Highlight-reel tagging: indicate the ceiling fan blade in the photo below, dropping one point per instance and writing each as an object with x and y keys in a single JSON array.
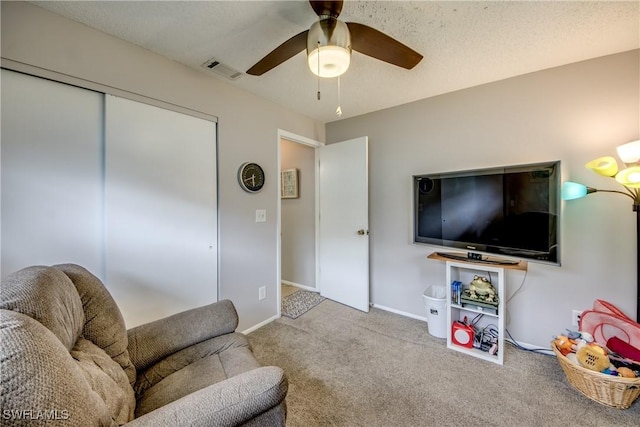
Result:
[
  {"x": 327, "y": 8},
  {"x": 378, "y": 45},
  {"x": 286, "y": 50}
]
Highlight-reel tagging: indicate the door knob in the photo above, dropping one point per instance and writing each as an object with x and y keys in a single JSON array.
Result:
[{"x": 362, "y": 232}]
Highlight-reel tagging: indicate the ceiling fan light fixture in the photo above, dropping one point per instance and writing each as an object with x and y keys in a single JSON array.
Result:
[
  {"x": 328, "y": 47},
  {"x": 329, "y": 61}
]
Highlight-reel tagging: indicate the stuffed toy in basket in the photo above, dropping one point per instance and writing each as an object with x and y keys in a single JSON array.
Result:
[{"x": 588, "y": 369}]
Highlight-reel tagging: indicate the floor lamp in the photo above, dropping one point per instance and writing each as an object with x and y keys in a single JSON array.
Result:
[{"x": 629, "y": 177}]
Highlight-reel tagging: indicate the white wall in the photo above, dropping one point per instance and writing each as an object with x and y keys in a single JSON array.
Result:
[
  {"x": 298, "y": 216},
  {"x": 573, "y": 113},
  {"x": 50, "y": 43}
]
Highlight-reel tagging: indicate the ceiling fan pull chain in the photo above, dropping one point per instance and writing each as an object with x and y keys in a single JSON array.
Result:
[
  {"x": 339, "y": 109},
  {"x": 318, "y": 70}
]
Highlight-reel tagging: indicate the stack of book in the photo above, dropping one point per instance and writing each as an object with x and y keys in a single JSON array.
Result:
[{"x": 456, "y": 291}]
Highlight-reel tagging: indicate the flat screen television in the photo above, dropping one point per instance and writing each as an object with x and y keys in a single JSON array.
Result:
[{"x": 511, "y": 211}]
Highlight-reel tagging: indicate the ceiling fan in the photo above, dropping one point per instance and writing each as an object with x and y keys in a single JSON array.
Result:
[{"x": 329, "y": 42}]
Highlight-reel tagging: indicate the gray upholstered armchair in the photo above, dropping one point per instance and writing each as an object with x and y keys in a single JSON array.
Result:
[{"x": 65, "y": 355}]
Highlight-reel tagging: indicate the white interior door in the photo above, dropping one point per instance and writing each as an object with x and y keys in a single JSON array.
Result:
[{"x": 343, "y": 247}]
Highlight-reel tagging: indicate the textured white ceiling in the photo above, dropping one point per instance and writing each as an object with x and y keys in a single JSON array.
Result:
[{"x": 464, "y": 43}]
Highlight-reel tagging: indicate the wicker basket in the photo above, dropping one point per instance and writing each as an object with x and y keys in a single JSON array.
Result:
[{"x": 617, "y": 392}]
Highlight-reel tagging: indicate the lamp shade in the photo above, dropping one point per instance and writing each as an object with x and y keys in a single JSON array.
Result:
[
  {"x": 329, "y": 47},
  {"x": 629, "y": 152},
  {"x": 606, "y": 166},
  {"x": 573, "y": 190},
  {"x": 629, "y": 177}
]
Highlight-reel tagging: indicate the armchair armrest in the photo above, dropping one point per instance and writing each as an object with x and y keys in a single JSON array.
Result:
[
  {"x": 155, "y": 340},
  {"x": 228, "y": 403}
]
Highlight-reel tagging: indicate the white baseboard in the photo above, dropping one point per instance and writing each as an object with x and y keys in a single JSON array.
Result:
[
  {"x": 401, "y": 313},
  {"x": 298, "y": 285},
  {"x": 260, "y": 325},
  {"x": 527, "y": 345}
]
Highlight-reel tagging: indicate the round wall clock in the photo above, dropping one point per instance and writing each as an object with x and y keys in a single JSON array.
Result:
[{"x": 251, "y": 177}]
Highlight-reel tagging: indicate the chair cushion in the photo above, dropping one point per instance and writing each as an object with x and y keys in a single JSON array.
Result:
[
  {"x": 104, "y": 325},
  {"x": 106, "y": 378},
  {"x": 153, "y": 341},
  {"x": 38, "y": 375},
  {"x": 47, "y": 295},
  {"x": 50, "y": 297},
  {"x": 192, "y": 369}
]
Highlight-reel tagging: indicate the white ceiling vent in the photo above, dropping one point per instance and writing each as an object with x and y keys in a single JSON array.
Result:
[{"x": 220, "y": 69}]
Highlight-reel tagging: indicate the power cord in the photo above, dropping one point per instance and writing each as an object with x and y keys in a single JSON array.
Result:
[
  {"x": 543, "y": 351},
  {"x": 489, "y": 334},
  {"x": 486, "y": 338},
  {"x": 506, "y": 311},
  {"x": 519, "y": 287}
]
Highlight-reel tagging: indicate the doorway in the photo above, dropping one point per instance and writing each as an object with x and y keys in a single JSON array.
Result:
[
  {"x": 340, "y": 242},
  {"x": 298, "y": 214}
]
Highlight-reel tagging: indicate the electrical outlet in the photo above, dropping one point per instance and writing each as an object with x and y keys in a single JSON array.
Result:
[
  {"x": 575, "y": 317},
  {"x": 262, "y": 293}
]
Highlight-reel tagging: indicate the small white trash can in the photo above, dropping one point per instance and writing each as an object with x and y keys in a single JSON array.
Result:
[{"x": 435, "y": 303}]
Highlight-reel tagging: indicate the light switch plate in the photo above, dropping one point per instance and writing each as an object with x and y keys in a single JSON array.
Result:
[{"x": 261, "y": 215}]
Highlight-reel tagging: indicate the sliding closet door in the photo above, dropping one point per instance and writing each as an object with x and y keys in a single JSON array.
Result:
[
  {"x": 51, "y": 174},
  {"x": 161, "y": 210}
]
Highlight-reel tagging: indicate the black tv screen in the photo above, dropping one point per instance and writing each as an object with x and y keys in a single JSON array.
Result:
[{"x": 511, "y": 211}]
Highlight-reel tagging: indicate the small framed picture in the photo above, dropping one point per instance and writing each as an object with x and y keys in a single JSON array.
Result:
[{"x": 289, "y": 184}]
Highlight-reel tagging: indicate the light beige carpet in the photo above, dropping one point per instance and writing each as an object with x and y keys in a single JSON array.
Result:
[{"x": 349, "y": 368}]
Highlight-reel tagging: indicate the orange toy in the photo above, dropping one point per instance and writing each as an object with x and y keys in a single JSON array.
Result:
[
  {"x": 626, "y": 372},
  {"x": 563, "y": 343}
]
